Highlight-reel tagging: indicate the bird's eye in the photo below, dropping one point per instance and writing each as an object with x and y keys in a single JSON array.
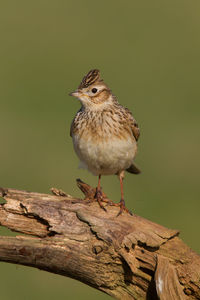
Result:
[{"x": 94, "y": 90}]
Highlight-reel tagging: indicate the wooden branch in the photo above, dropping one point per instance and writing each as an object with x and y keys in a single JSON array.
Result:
[{"x": 126, "y": 257}]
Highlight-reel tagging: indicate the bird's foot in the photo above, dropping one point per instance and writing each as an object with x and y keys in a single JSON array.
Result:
[
  {"x": 99, "y": 197},
  {"x": 122, "y": 207}
]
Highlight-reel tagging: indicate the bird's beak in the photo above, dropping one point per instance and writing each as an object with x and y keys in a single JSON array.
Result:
[{"x": 75, "y": 94}]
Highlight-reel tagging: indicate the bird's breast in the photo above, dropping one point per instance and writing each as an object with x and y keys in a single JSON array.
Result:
[{"x": 103, "y": 148}]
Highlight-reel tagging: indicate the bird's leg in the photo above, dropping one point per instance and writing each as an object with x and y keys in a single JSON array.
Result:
[
  {"x": 99, "y": 195},
  {"x": 122, "y": 202}
]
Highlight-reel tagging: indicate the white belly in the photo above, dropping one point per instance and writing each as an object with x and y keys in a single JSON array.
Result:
[{"x": 106, "y": 157}]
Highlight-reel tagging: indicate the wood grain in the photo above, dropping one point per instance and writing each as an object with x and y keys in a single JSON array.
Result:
[{"x": 127, "y": 257}]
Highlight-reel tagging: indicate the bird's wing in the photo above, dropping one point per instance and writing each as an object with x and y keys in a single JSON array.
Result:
[
  {"x": 71, "y": 128},
  {"x": 133, "y": 124},
  {"x": 74, "y": 123}
]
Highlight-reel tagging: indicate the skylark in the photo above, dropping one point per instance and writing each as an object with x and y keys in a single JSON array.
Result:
[{"x": 104, "y": 133}]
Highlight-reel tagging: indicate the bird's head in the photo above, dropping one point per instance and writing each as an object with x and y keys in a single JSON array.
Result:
[{"x": 93, "y": 92}]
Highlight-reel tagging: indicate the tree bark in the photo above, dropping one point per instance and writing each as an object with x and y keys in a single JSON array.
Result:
[{"x": 127, "y": 257}]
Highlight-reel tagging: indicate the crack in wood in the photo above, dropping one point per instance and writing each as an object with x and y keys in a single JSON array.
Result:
[{"x": 127, "y": 257}]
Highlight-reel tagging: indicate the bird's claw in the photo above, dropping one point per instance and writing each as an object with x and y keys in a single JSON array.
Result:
[
  {"x": 99, "y": 198},
  {"x": 123, "y": 208}
]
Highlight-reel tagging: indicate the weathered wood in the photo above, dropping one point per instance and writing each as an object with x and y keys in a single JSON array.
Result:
[{"x": 127, "y": 257}]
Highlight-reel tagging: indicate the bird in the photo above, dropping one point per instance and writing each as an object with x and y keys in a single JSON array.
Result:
[{"x": 104, "y": 133}]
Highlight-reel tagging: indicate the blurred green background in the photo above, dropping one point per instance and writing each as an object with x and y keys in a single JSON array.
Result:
[{"x": 149, "y": 55}]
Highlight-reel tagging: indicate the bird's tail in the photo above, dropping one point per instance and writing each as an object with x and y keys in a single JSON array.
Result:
[{"x": 133, "y": 169}]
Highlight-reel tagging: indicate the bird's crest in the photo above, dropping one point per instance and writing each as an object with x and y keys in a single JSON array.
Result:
[{"x": 90, "y": 78}]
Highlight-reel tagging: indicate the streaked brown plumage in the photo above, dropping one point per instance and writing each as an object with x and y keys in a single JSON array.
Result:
[{"x": 104, "y": 133}]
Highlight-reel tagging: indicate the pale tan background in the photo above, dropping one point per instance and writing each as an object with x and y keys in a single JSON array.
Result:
[{"x": 149, "y": 54}]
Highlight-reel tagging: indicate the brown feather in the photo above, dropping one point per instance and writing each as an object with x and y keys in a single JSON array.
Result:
[
  {"x": 133, "y": 124},
  {"x": 90, "y": 78},
  {"x": 133, "y": 169}
]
